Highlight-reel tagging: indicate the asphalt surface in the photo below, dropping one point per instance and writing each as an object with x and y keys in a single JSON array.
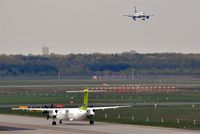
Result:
[{"x": 30, "y": 125}]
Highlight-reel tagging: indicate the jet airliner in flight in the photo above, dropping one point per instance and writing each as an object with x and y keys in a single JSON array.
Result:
[{"x": 138, "y": 15}]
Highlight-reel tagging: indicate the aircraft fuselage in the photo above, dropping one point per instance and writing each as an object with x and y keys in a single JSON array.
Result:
[{"x": 75, "y": 114}]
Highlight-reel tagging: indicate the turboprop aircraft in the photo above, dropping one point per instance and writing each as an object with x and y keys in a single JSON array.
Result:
[
  {"x": 137, "y": 15},
  {"x": 71, "y": 114}
]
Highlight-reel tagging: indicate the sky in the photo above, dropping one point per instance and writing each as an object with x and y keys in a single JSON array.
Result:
[{"x": 88, "y": 26}]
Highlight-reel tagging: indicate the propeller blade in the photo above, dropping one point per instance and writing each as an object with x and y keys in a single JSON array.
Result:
[
  {"x": 48, "y": 117},
  {"x": 51, "y": 105}
]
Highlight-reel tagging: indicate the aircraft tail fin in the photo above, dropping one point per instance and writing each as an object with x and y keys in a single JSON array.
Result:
[
  {"x": 85, "y": 100},
  {"x": 135, "y": 9}
]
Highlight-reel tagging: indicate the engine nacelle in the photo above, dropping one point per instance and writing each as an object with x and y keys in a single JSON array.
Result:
[
  {"x": 53, "y": 114},
  {"x": 91, "y": 112}
]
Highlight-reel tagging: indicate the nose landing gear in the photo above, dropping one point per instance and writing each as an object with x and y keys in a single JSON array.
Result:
[
  {"x": 54, "y": 122},
  {"x": 91, "y": 120},
  {"x": 60, "y": 122}
]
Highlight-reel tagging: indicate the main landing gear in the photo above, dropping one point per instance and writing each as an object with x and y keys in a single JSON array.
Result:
[
  {"x": 54, "y": 122},
  {"x": 91, "y": 120}
]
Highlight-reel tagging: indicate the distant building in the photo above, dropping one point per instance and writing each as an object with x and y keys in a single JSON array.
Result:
[{"x": 45, "y": 50}]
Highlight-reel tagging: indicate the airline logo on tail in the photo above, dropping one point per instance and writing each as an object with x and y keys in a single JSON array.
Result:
[{"x": 85, "y": 100}]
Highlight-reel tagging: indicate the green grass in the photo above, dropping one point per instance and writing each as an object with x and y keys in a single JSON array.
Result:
[
  {"x": 30, "y": 99},
  {"x": 185, "y": 82},
  {"x": 139, "y": 114},
  {"x": 132, "y": 98}
]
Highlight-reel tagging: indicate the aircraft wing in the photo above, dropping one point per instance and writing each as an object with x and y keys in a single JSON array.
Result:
[
  {"x": 149, "y": 15},
  {"x": 129, "y": 15},
  {"x": 109, "y": 107},
  {"x": 53, "y": 109},
  {"x": 39, "y": 109}
]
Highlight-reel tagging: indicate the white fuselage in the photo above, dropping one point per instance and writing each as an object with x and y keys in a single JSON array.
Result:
[
  {"x": 72, "y": 114},
  {"x": 139, "y": 14}
]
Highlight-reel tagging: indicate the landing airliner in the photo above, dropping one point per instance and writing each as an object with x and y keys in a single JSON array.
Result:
[
  {"x": 71, "y": 114},
  {"x": 137, "y": 14}
]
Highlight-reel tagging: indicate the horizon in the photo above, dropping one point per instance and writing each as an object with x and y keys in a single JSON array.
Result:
[{"x": 99, "y": 53}]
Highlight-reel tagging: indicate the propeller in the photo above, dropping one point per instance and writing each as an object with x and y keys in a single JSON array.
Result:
[
  {"x": 47, "y": 112},
  {"x": 48, "y": 117},
  {"x": 52, "y": 106}
]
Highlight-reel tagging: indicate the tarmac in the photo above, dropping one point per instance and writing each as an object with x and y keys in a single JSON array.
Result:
[{"x": 14, "y": 124}]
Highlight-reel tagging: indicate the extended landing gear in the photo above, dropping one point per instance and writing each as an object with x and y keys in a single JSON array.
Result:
[
  {"x": 48, "y": 117},
  {"x": 54, "y": 122},
  {"x": 91, "y": 122},
  {"x": 60, "y": 122}
]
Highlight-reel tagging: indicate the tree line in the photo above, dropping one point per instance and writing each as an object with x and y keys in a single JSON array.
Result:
[{"x": 100, "y": 64}]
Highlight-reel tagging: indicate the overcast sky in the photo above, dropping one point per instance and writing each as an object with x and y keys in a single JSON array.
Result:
[{"x": 87, "y": 26}]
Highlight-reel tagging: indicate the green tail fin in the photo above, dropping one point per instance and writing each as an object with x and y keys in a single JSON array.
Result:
[{"x": 85, "y": 101}]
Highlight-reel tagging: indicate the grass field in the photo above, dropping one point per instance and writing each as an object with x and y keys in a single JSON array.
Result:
[
  {"x": 175, "y": 109},
  {"x": 42, "y": 98},
  {"x": 165, "y": 116},
  {"x": 188, "y": 82}
]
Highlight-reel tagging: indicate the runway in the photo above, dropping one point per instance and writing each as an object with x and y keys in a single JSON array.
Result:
[{"x": 31, "y": 125}]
